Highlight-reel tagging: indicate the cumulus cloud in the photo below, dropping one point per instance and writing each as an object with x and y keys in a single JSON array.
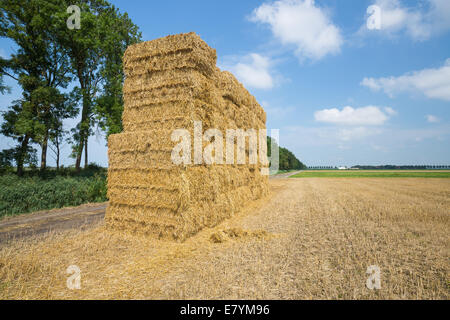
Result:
[
  {"x": 418, "y": 23},
  {"x": 433, "y": 83},
  {"x": 432, "y": 119},
  {"x": 370, "y": 115},
  {"x": 303, "y": 24},
  {"x": 253, "y": 71}
]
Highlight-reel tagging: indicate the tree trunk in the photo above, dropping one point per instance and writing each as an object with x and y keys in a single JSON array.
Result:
[
  {"x": 79, "y": 153},
  {"x": 84, "y": 130},
  {"x": 20, "y": 160},
  {"x": 44, "y": 146},
  {"x": 57, "y": 154},
  {"x": 86, "y": 153}
]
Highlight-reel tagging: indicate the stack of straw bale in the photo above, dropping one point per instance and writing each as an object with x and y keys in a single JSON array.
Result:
[{"x": 170, "y": 83}]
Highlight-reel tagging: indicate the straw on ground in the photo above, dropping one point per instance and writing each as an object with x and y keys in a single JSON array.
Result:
[{"x": 311, "y": 238}]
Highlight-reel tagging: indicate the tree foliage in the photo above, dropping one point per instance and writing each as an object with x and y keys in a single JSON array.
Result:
[
  {"x": 49, "y": 58},
  {"x": 40, "y": 66},
  {"x": 287, "y": 160},
  {"x": 95, "y": 52}
]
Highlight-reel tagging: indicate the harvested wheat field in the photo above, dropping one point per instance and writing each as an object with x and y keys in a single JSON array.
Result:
[{"x": 310, "y": 238}]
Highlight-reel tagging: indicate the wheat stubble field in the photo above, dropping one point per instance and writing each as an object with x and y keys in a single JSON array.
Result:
[{"x": 311, "y": 238}]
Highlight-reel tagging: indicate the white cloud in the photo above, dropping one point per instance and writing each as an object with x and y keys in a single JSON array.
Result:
[
  {"x": 418, "y": 23},
  {"x": 303, "y": 24},
  {"x": 395, "y": 18},
  {"x": 433, "y": 83},
  {"x": 254, "y": 71},
  {"x": 432, "y": 119},
  {"x": 390, "y": 111},
  {"x": 370, "y": 115}
]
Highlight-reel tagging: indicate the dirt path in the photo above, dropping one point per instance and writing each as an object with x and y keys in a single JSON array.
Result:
[
  {"x": 283, "y": 175},
  {"x": 25, "y": 225}
]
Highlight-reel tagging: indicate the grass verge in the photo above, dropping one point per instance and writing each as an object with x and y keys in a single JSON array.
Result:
[{"x": 35, "y": 192}]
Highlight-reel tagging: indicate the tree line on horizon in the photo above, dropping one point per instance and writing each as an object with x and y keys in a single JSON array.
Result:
[
  {"x": 62, "y": 73},
  {"x": 287, "y": 160},
  {"x": 400, "y": 167}
]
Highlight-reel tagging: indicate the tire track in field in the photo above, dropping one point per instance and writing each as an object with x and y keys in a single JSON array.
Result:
[{"x": 42, "y": 222}]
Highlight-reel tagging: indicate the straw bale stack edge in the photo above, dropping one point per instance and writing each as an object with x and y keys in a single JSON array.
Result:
[{"x": 171, "y": 83}]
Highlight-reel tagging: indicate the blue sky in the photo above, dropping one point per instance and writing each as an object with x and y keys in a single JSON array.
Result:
[{"x": 340, "y": 93}]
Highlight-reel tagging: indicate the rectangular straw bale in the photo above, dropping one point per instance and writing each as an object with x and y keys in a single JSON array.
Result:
[
  {"x": 178, "y": 113},
  {"x": 182, "y": 51},
  {"x": 171, "y": 83}
]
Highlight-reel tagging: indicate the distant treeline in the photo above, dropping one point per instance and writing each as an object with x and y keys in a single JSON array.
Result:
[
  {"x": 405, "y": 167},
  {"x": 288, "y": 161}
]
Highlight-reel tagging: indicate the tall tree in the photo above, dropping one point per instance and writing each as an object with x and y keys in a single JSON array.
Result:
[
  {"x": 48, "y": 50},
  {"x": 18, "y": 125},
  {"x": 40, "y": 66},
  {"x": 109, "y": 106},
  {"x": 17, "y": 23},
  {"x": 56, "y": 136},
  {"x": 3, "y": 88},
  {"x": 53, "y": 107},
  {"x": 96, "y": 51}
]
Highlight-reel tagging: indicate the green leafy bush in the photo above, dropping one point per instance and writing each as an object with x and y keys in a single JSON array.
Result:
[{"x": 34, "y": 192}]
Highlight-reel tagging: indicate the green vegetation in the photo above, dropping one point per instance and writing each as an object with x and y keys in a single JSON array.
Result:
[
  {"x": 288, "y": 161},
  {"x": 62, "y": 72},
  {"x": 372, "y": 174},
  {"x": 35, "y": 191}
]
